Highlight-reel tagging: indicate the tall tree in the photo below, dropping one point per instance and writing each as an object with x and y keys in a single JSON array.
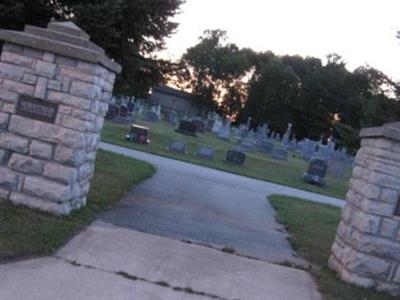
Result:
[
  {"x": 214, "y": 69},
  {"x": 129, "y": 30}
]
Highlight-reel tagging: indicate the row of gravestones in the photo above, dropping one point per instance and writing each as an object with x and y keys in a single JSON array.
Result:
[{"x": 207, "y": 152}]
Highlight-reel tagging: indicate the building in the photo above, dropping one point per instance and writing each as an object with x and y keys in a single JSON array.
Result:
[{"x": 172, "y": 99}]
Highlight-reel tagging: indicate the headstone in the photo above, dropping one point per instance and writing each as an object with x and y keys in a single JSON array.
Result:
[
  {"x": 173, "y": 118},
  {"x": 178, "y": 146},
  {"x": 279, "y": 153},
  {"x": 225, "y": 131},
  {"x": 138, "y": 134},
  {"x": 247, "y": 144},
  {"x": 266, "y": 147},
  {"x": 55, "y": 91},
  {"x": 205, "y": 152},
  {"x": 316, "y": 172},
  {"x": 235, "y": 157},
  {"x": 151, "y": 117},
  {"x": 217, "y": 126},
  {"x": 324, "y": 152},
  {"x": 288, "y": 133},
  {"x": 200, "y": 126},
  {"x": 112, "y": 112},
  {"x": 187, "y": 128}
]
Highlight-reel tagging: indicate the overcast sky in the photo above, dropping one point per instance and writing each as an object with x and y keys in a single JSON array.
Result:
[{"x": 361, "y": 31}]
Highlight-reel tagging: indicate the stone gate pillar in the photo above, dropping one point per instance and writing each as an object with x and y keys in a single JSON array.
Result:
[
  {"x": 366, "y": 250},
  {"x": 54, "y": 91}
]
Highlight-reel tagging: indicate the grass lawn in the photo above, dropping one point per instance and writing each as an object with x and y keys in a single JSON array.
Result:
[
  {"x": 27, "y": 232},
  {"x": 257, "y": 165},
  {"x": 312, "y": 228}
]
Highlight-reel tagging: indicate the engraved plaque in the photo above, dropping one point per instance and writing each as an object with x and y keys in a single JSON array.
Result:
[{"x": 37, "y": 109}]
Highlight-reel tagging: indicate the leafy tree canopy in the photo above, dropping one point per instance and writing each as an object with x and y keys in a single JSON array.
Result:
[{"x": 129, "y": 30}]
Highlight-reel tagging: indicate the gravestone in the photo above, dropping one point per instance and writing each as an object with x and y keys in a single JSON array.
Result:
[
  {"x": 55, "y": 86},
  {"x": 366, "y": 250},
  {"x": 187, "y": 128},
  {"x": 151, "y": 117},
  {"x": 324, "y": 152},
  {"x": 316, "y": 172},
  {"x": 287, "y": 135},
  {"x": 112, "y": 112},
  {"x": 205, "y": 152},
  {"x": 173, "y": 118},
  {"x": 266, "y": 147},
  {"x": 235, "y": 157},
  {"x": 200, "y": 126},
  {"x": 279, "y": 153},
  {"x": 247, "y": 145},
  {"x": 225, "y": 131},
  {"x": 217, "y": 125},
  {"x": 178, "y": 146}
]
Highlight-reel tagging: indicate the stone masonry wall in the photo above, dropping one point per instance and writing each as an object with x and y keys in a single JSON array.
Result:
[
  {"x": 366, "y": 250},
  {"x": 43, "y": 165}
]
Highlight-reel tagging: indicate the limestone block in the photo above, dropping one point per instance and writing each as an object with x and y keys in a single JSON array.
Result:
[
  {"x": 83, "y": 115},
  {"x": 9, "y": 108},
  {"x": 39, "y": 203},
  {"x": 41, "y": 88},
  {"x": 46, "y": 69},
  {"x": 14, "y": 142},
  {"x": 29, "y": 79},
  {"x": 54, "y": 85},
  {"x": 19, "y": 87},
  {"x": 7, "y": 95},
  {"x": 46, "y": 132},
  {"x": 33, "y": 53},
  {"x": 49, "y": 57},
  {"x": 60, "y": 173},
  {"x": 10, "y": 71},
  {"x": 26, "y": 164},
  {"x": 366, "y": 265},
  {"x": 77, "y": 124},
  {"x": 9, "y": 180},
  {"x": 69, "y": 156},
  {"x": 43, "y": 188},
  {"x": 78, "y": 102},
  {"x": 389, "y": 228},
  {"x": 365, "y": 222},
  {"x": 390, "y": 196},
  {"x": 17, "y": 59},
  {"x": 40, "y": 149},
  {"x": 4, "y": 118},
  {"x": 85, "y": 90}
]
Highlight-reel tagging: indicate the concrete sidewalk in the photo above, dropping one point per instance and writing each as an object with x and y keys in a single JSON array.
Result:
[{"x": 109, "y": 262}]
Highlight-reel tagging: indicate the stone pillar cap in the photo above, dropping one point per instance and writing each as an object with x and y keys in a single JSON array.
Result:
[
  {"x": 64, "y": 38},
  {"x": 389, "y": 130}
]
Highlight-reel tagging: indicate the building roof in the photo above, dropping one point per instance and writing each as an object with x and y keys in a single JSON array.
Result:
[{"x": 173, "y": 92}]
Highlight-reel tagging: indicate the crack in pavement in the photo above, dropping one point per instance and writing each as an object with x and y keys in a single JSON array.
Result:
[
  {"x": 232, "y": 251},
  {"x": 187, "y": 290}
]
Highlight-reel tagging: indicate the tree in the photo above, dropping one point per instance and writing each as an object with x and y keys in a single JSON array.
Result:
[
  {"x": 129, "y": 30},
  {"x": 214, "y": 70}
]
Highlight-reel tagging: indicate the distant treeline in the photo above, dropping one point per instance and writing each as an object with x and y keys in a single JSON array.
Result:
[{"x": 318, "y": 98}]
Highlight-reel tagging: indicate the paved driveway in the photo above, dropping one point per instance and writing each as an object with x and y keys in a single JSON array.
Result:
[{"x": 189, "y": 202}]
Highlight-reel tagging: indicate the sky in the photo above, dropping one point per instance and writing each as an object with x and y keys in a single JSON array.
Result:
[{"x": 361, "y": 31}]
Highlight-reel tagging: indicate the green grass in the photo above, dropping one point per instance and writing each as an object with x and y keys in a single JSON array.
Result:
[
  {"x": 26, "y": 232},
  {"x": 312, "y": 228},
  {"x": 257, "y": 165}
]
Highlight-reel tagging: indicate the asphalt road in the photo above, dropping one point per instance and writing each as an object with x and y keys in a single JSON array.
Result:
[{"x": 188, "y": 202}]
